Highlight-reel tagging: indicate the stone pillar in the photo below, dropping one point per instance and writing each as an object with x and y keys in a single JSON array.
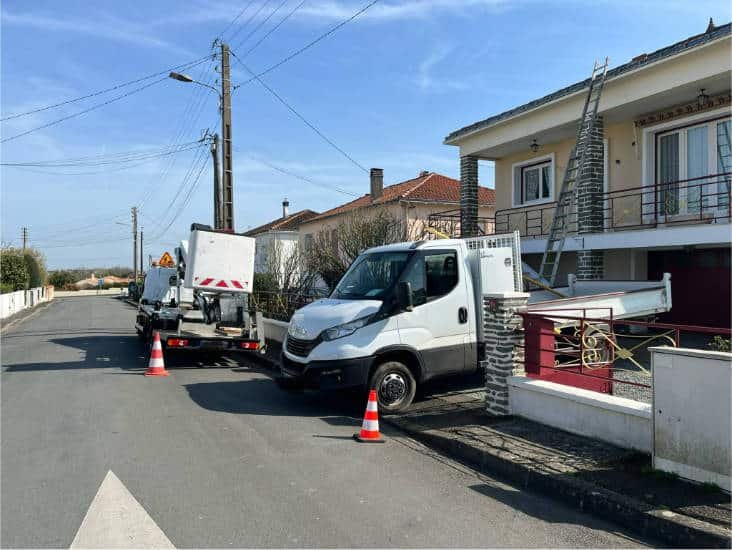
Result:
[
  {"x": 590, "y": 210},
  {"x": 468, "y": 196},
  {"x": 504, "y": 353}
]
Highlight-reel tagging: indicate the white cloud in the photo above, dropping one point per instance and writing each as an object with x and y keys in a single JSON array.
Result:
[
  {"x": 406, "y": 9},
  {"x": 426, "y": 78},
  {"x": 99, "y": 25}
]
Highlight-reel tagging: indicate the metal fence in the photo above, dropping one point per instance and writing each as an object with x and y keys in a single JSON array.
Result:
[
  {"x": 604, "y": 355},
  {"x": 700, "y": 200}
]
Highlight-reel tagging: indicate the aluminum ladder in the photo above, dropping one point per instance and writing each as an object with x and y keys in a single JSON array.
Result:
[{"x": 575, "y": 165}]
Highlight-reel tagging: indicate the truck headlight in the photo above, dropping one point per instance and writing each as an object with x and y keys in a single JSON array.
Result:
[{"x": 345, "y": 329}]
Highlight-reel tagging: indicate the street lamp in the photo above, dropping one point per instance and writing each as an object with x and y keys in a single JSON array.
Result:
[{"x": 185, "y": 78}]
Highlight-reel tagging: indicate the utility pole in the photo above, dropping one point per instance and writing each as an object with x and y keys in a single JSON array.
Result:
[
  {"x": 142, "y": 269},
  {"x": 25, "y": 237},
  {"x": 227, "y": 205},
  {"x": 134, "y": 240},
  {"x": 218, "y": 198}
]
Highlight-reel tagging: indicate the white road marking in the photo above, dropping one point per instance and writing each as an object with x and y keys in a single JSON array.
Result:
[{"x": 116, "y": 520}]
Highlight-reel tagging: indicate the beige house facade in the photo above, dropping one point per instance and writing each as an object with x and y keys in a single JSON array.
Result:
[
  {"x": 414, "y": 203},
  {"x": 666, "y": 171}
]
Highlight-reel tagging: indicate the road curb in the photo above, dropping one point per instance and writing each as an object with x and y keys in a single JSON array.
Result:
[
  {"x": 18, "y": 318},
  {"x": 672, "y": 529}
]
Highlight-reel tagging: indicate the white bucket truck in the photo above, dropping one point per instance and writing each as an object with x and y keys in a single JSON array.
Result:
[
  {"x": 202, "y": 303},
  {"x": 407, "y": 312}
]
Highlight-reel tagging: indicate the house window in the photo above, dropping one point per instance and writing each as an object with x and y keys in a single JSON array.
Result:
[
  {"x": 689, "y": 161},
  {"x": 533, "y": 181}
]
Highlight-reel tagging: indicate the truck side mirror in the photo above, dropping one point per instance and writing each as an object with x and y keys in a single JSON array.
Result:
[{"x": 404, "y": 296}]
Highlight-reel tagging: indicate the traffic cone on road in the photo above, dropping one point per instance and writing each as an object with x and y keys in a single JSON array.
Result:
[
  {"x": 370, "y": 428},
  {"x": 156, "y": 367}
]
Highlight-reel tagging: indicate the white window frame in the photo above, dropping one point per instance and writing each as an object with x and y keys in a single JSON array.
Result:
[
  {"x": 649, "y": 141},
  {"x": 516, "y": 177}
]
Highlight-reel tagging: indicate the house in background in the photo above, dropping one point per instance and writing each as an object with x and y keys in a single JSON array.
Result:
[
  {"x": 413, "y": 202},
  {"x": 661, "y": 200},
  {"x": 280, "y": 234}
]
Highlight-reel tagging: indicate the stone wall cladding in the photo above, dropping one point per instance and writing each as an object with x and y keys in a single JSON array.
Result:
[
  {"x": 468, "y": 196},
  {"x": 590, "y": 208},
  {"x": 504, "y": 353}
]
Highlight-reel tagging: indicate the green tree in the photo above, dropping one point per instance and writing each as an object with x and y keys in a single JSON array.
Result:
[
  {"x": 36, "y": 273},
  {"x": 60, "y": 278},
  {"x": 13, "y": 269}
]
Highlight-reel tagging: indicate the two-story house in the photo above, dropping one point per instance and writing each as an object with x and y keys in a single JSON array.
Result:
[{"x": 663, "y": 195}]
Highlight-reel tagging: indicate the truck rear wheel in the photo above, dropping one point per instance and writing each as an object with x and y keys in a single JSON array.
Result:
[{"x": 395, "y": 386}]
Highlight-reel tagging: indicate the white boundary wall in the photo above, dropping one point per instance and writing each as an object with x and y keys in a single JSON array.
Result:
[
  {"x": 616, "y": 420},
  {"x": 692, "y": 423},
  {"x": 13, "y": 302},
  {"x": 275, "y": 330}
]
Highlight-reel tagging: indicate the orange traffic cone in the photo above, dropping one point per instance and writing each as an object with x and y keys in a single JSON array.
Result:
[
  {"x": 370, "y": 428},
  {"x": 156, "y": 367}
]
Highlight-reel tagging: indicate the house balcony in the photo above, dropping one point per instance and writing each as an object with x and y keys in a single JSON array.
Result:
[{"x": 679, "y": 213}]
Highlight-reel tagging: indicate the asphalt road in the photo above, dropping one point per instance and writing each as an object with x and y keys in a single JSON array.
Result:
[{"x": 221, "y": 457}]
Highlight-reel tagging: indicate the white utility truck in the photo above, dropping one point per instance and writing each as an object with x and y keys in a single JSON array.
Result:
[
  {"x": 407, "y": 312},
  {"x": 202, "y": 303}
]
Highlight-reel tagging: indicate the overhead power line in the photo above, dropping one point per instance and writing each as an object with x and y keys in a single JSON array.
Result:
[
  {"x": 251, "y": 17},
  {"x": 301, "y": 117},
  {"x": 79, "y": 113},
  {"x": 311, "y": 43},
  {"x": 261, "y": 23},
  {"x": 233, "y": 21},
  {"x": 298, "y": 176},
  {"x": 109, "y": 158},
  {"x": 188, "y": 65},
  {"x": 273, "y": 29}
]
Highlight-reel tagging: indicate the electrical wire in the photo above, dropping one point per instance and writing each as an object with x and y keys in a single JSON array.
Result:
[
  {"x": 110, "y": 158},
  {"x": 251, "y": 17},
  {"x": 188, "y": 65},
  {"x": 298, "y": 176},
  {"x": 261, "y": 24},
  {"x": 311, "y": 43},
  {"x": 79, "y": 113},
  {"x": 233, "y": 21},
  {"x": 273, "y": 29},
  {"x": 183, "y": 205},
  {"x": 301, "y": 117}
]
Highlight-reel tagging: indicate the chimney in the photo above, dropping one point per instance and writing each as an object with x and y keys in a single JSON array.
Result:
[
  {"x": 377, "y": 183},
  {"x": 424, "y": 173},
  {"x": 285, "y": 208}
]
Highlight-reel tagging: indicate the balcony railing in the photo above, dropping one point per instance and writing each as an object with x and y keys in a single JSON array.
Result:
[
  {"x": 448, "y": 223},
  {"x": 693, "y": 201}
]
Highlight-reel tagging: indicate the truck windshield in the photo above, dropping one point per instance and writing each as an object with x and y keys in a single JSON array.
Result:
[{"x": 371, "y": 275}]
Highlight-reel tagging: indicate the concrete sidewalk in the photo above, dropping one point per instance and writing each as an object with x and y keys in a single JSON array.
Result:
[{"x": 614, "y": 483}]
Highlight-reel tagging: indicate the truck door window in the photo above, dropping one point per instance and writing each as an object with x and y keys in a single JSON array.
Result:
[
  {"x": 431, "y": 276},
  {"x": 440, "y": 274}
]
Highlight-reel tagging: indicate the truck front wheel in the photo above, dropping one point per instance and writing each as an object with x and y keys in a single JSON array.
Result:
[{"x": 395, "y": 386}]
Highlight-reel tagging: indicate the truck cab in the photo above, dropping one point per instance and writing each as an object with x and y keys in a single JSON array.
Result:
[{"x": 402, "y": 314}]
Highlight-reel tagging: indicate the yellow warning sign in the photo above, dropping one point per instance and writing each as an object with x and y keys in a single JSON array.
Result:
[{"x": 166, "y": 260}]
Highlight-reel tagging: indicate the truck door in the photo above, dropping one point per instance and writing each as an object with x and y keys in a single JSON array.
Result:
[{"x": 438, "y": 325}]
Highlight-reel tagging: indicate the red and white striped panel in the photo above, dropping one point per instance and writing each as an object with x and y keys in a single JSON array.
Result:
[{"x": 224, "y": 283}]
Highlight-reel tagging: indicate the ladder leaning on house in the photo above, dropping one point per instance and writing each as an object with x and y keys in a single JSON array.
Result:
[{"x": 575, "y": 167}]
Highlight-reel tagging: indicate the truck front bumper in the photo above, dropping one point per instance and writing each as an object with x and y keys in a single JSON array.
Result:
[{"x": 327, "y": 375}]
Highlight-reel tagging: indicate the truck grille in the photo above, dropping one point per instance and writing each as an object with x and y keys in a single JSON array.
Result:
[{"x": 301, "y": 348}]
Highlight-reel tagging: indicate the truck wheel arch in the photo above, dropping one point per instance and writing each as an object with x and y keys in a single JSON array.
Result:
[{"x": 407, "y": 355}]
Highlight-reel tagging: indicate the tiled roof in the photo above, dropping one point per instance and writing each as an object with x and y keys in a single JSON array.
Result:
[
  {"x": 427, "y": 187},
  {"x": 289, "y": 223},
  {"x": 635, "y": 63}
]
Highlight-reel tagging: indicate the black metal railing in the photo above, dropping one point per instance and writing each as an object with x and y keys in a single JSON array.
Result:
[
  {"x": 693, "y": 201},
  {"x": 448, "y": 223}
]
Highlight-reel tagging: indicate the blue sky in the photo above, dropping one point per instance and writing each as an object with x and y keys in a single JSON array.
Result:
[{"x": 386, "y": 88}]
